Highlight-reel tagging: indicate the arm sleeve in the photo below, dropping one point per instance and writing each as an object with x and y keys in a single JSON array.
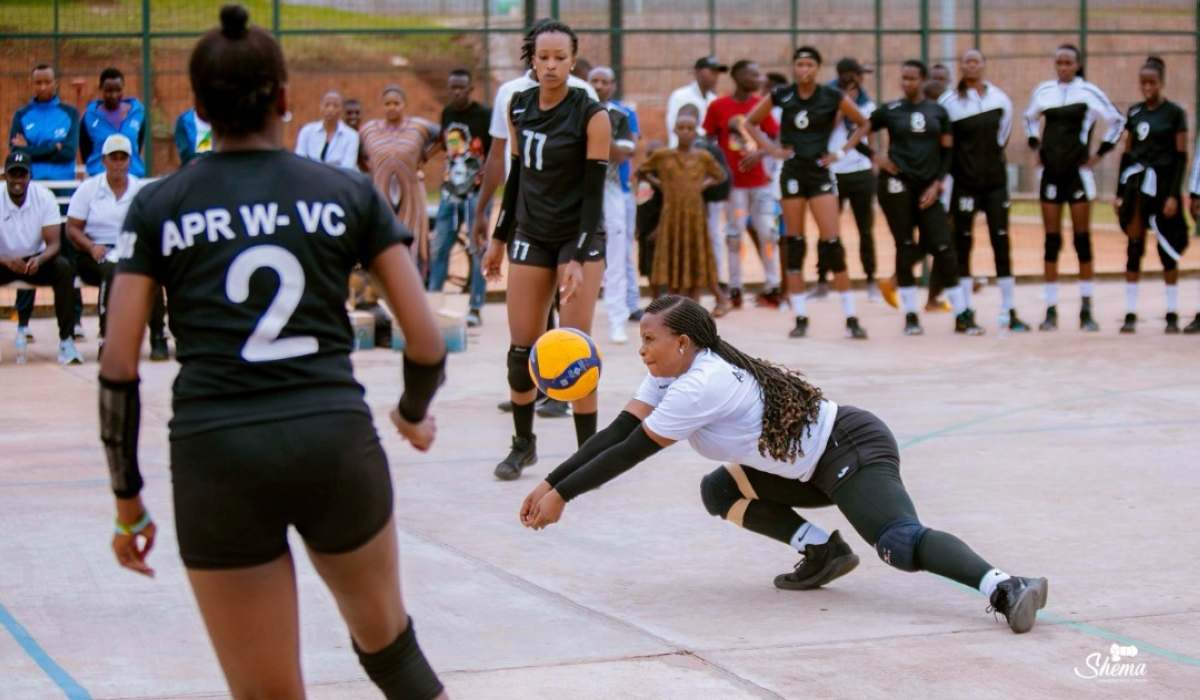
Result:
[
  {"x": 421, "y": 382},
  {"x": 608, "y": 465},
  {"x": 592, "y": 211},
  {"x": 616, "y": 432}
]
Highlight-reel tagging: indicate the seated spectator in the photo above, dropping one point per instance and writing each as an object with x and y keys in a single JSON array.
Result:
[
  {"x": 114, "y": 113},
  {"x": 29, "y": 243},
  {"x": 193, "y": 137},
  {"x": 95, "y": 218},
  {"x": 330, "y": 140}
]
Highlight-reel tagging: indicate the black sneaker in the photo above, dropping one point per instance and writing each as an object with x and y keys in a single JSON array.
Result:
[
  {"x": 735, "y": 297},
  {"x": 1193, "y": 327},
  {"x": 159, "y": 352},
  {"x": 965, "y": 323},
  {"x": 1018, "y": 600},
  {"x": 853, "y": 330},
  {"x": 770, "y": 298},
  {"x": 821, "y": 564},
  {"x": 1172, "y": 323},
  {"x": 1086, "y": 322},
  {"x": 636, "y": 316},
  {"x": 912, "y": 325},
  {"x": 1015, "y": 324},
  {"x": 1130, "y": 324},
  {"x": 522, "y": 454},
  {"x": 801, "y": 328},
  {"x": 1051, "y": 322},
  {"x": 552, "y": 408}
]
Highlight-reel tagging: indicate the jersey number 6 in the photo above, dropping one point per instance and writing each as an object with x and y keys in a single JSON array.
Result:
[{"x": 264, "y": 343}]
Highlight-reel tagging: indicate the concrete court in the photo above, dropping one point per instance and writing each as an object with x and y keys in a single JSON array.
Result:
[{"x": 1067, "y": 455}]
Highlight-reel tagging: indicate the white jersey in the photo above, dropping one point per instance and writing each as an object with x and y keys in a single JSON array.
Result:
[
  {"x": 717, "y": 407},
  {"x": 854, "y": 161}
]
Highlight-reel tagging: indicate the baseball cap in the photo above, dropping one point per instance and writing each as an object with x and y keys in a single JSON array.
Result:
[
  {"x": 115, "y": 143},
  {"x": 851, "y": 65},
  {"x": 711, "y": 62},
  {"x": 18, "y": 160}
]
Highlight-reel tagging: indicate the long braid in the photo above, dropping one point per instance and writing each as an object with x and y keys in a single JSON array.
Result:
[{"x": 790, "y": 404}]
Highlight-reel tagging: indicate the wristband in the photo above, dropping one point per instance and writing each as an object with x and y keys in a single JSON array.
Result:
[{"x": 134, "y": 529}]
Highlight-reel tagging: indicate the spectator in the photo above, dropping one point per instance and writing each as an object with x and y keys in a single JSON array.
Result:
[
  {"x": 699, "y": 92},
  {"x": 626, "y": 171},
  {"x": 466, "y": 141},
  {"x": 95, "y": 218},
  {"x": 649, "y": 211},
  {"x": 193, "y": 137},
  {"x": 113, "y": 114},
  {"x": 329, "y": 140},
  {"x": 30, "y": 238},
  {"x": 352, "y": 115},
  {"x": 396, "y": 147}
]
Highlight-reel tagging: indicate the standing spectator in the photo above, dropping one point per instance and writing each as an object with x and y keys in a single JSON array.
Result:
[
  {"x": 617, "y": 253},
  {"x": 649, "y": 211},
  {"x": 30, "y": 238},
  {"x": 352, "y": 114},
  {"x": 329, "y": 140},
  {"x": 114, "y": 113},
  {"x": 466, "y": 141},
  {"x": 396, "y": 147},
  {"x": 751, "y": 198},
  {"x": 626, "y": 173},
  {"x": 48, "y": 132},
  {"x": 193, "y": 137}
]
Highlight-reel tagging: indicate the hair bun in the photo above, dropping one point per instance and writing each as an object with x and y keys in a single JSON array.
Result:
[
  {"x": 1156, "y": 60},
  {"x": 234, "y": 19}
]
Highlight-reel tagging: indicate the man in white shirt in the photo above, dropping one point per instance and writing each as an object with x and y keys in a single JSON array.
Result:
[
  {"x": 330, "y": 140},
  {"x": 699, "y": 92},
  {"x": 29, "y": 243}
]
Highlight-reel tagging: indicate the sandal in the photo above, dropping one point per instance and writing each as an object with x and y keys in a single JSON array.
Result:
[{"x": 721, "y": 309}]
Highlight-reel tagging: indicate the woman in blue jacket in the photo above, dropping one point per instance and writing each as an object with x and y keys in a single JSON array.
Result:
[{"x": 112, "y": 114}]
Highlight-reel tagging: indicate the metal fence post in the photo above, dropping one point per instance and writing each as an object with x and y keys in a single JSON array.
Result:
[
  {"x": 712, "y": 27},
  {"x": 554, "y": 9},
  {"x": 487, "y": 50},
  {"x": 147, "y": 89},
  {"x": 275, "y": 21},
  {"x": 530, "y": 12},
  {"x": 1083, "y": 31},
  {"x": 793, "y": 20},
  {"x": 925, "y": 31},
  {"x": 57, "y": 68},
  {"x": 978, "y": 31},
  {"x": 616, "y": 43},
  {"x": 878, "y": 30}
]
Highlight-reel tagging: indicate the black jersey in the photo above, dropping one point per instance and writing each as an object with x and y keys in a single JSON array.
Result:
[
  {"x": 914, "y": 137},
  {"x": 552, "y": 145},
  {"x": 1152, "y": 134},
  {"x": 806, "y": 124},
  {"x": 981, "y": 125},
  {"x": 1070, "y": 110},
  {"x": 255, "y": 251}
]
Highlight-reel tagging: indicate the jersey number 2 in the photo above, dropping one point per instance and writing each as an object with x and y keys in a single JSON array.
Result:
[
  {"x": 264, "y": 343},
  {"x": 536, "y": 143}
]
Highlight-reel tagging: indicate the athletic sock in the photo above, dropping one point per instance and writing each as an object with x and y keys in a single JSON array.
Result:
[
  {"x": 585, "y": 426},
  {"x": 1172, "y": 298},
  {"x": 809, "y": 534},
  {"x": 1052, "y": 294},
  {"x": 966, "y": 284},
  {"x": 799, "y": 304},
  {"x": 847, "y": 303},
  {"x": 1008, "y": 291},
  {"x": 523, "y": 419},
  {"x": 958, "y": 298},
  {"x": 990, "y": 580},
  {"x": 1131, "y": 295},
  {"x": 908, "y": 298},
  {"x": 1087, "y": 288}
]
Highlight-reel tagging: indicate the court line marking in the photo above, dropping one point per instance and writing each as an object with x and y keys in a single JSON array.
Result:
[{"x": 61, "y": 678}]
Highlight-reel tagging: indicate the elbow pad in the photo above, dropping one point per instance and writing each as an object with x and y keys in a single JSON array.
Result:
[
  {"x": 421, "y": 382},
  {"x": 120, "y": 418},
  {"x": 508, "y": 208},
  {"x": 594, "y": 172}
]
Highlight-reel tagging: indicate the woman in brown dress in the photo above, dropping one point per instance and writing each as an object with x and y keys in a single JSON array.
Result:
[
  {"x": 683, "y": 256},
  {"x": 395, "y": 148}
]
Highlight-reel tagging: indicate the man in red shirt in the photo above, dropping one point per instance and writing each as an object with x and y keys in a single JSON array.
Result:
[{"x": 752, "y": 197}]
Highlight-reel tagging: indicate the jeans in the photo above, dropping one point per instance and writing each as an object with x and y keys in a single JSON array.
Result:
[
  {"x": 756, "y": 204},
  {"x": 631, "y": 271},
  {"x": 451, "y": 214}
]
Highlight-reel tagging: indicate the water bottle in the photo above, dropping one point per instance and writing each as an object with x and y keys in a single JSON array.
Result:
[{"x": 22, "y": 345}]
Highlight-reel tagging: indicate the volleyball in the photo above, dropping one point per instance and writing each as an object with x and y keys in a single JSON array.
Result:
[{"x": 565, "y": 364}]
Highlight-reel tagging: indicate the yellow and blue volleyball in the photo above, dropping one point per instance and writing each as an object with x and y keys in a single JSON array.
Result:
[{"x": 565, "y": 364}]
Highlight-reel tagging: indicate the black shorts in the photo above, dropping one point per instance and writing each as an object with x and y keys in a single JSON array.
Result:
[
  {"x": 859, "y": 439},
  {"x": 238, "y": 489},
  {"x": 1069, "y": 187},
  {"x": 1172, "y": 233},
  {"x": 524, "y": 250},
  {"x": 801, "y": 180}
]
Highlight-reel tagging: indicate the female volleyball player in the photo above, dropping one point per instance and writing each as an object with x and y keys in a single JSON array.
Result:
[
  {"x": 1149, "y": 190},
  {"x": 1070, "y": 105},
  {"x": 785, "y": 446},
  {"x": 550, "y": 223},
  {"x": 255, "y": 246}
]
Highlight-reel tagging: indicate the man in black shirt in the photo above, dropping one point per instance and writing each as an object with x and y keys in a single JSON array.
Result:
[{"x": 466, "y": 141}]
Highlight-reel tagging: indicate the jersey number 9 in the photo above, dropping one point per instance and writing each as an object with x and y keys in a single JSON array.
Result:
[{"x": 264, "y": 343}]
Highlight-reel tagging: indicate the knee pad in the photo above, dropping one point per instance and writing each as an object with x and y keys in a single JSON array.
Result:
[
  {"x": 719, "y": 492},
  {"x": 400, "y": 670},
  {"x": 897, "y": 544},
  {"x": 796, "y": 248},
  {"x": 519, "y": 379},
  {"x": 1083, "y": 247},
  {"x": 1053, "y": 247},
  {"x": 1134, "y": 250},
  {"x": 833, "y": 253},
  {"x": 907, "y": 255}
]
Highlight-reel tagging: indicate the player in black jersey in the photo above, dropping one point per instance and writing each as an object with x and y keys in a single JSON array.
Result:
[
  {"x": 810, "y": 113},
  {"x": 254, "y": 246},
  {"x": 1070, "y": 106},
  {"x": 920, "y": 143},
  {"x": 550, "y": 223},
  {"x": 1149, "y": 190},
  {"x": 981, "y": 119}
]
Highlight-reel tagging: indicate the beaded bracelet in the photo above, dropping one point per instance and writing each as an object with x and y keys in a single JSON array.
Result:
[{"x": 134, "y": 529}]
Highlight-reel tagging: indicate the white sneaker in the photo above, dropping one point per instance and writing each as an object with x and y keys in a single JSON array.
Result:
[
  {"x": 874, "y": 296},
  {"x": 68, "y": 354},
  {"x": 616, "y": 333},
  {"x": 79, "y": 334},
  {"x": 24, "y": 331}
]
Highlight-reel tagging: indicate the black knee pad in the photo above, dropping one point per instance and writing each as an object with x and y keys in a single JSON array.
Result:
[
  {"x": 834, "y": 254},
  {"x": 907, "y": 255},
  {"x": 400, "y": 670},
  {"x": 1134, "y": 250},
  {"x": 796, "y": 249},
  {"x": 946, "y": 266},
  {"x": 1053, "y": 247},
  {"x": 1083, "y": 246},
  {"x": 897, "y": 544},
  {"x": 519, "y": 379},
  {"x": 719, "y": 492}
]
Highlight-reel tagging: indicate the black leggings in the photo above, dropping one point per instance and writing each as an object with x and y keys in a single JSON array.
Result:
[
  {"x": 858, "y": 189},
  {"x": 900, "y": 202},
  {"x": 994, "y": 205}
]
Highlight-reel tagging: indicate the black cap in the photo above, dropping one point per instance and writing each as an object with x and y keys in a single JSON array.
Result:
[
  {"x": 711, "y": 62},
  {"x": 851, "y": 65},
  {"x": 18, "y": 160}
]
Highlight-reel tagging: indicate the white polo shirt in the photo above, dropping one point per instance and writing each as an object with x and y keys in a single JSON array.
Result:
[
  {"x": 717, "y": 407},
  {"x": 343, "y": 147},
  {"x": 689, "y": 94},
  {"x": 499, "y": 126},
  {"x": 21, "y": 227},
  {"x": 102, "y": 213}
]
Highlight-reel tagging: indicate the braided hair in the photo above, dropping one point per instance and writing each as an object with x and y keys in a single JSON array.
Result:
[
  {"x": 790, "y": 404},
  {"x": 545, "y": 26}
]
